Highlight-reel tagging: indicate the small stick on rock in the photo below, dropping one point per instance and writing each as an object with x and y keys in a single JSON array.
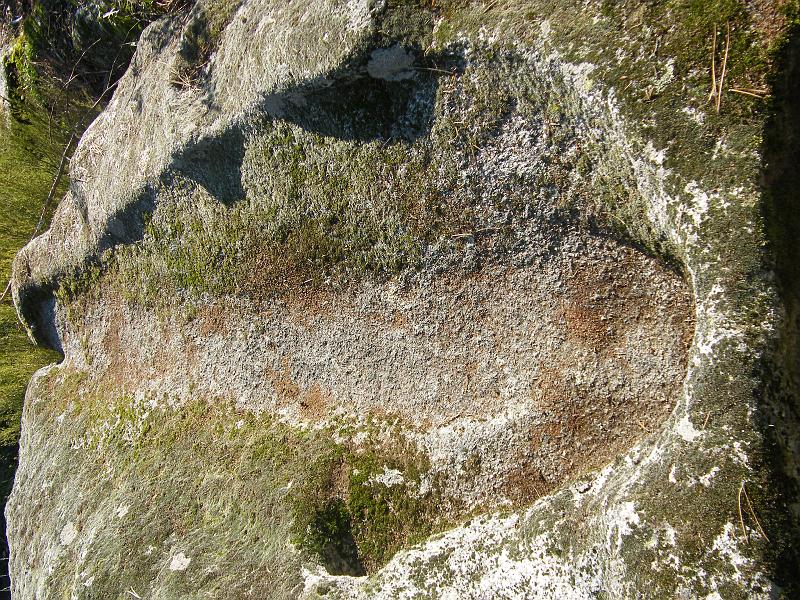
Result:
[
  {"x": 753, "y": 93},
  {"x": 741, "y": 517},
  {"x": 724, "y": 66},
  {"x": 752, "y": 512},
  {"x": 712, "y": 94}
]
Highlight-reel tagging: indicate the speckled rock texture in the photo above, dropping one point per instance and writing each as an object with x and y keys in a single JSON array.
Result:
[
  {"x": 4, "y": 100},
  {"x": 404, "y": 300}
]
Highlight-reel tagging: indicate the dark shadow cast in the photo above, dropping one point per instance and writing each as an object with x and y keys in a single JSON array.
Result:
[
  {"x": 780, "y": 414},
  {"x": 362, "y": 108},
  {"x": 389, "y": 97},
  {"x": 37, "y": 308},
  {"x": 216, "y": 164},
  {"x": 37, "y": 303},
  {"x": 128, "y": 225},
  {"x": 330, "y": 531}
]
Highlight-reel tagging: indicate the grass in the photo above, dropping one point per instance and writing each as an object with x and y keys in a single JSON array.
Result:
[
  {"x": 31, "y": 143},
  {"x": 88, "y": 42},
  {"x": 28, "y": 157},
  {"x": 29, "y": 152}
]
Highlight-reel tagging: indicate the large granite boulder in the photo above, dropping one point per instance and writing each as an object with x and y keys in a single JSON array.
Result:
[{"x": 418, "y": 299}]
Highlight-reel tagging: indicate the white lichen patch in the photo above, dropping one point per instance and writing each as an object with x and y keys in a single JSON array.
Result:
[
  {"x": 501, "y": 571},
  {"x": 686, "y": 429},
  {"x": 68, "y": 534},
  {"x": 666, "y": 75},
  {"x": 623, "y": 519},
  {"x": 706, "y": 479},
  {"x": 389, "y": 477},
  {"x": 739, "y": 454},
  {"x": 179, "y": 562},
  {"x": 697, "y": 116},
  {"x": 728, "y": 547},
  {"x": 664, "y": 544}
]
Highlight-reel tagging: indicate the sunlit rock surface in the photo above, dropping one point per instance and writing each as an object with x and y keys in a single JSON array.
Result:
[{"x": 384, "y": 300}]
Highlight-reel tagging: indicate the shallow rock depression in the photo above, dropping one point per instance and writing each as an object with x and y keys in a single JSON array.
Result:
[{"x": 391, "y": 300}]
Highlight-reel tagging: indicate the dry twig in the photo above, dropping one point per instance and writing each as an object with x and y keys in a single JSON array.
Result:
[
  {"x": 753, "y": 512},
  {"x": 741, "y": 517},
  {"x": 724, "y": 66},
  {"x": 712, "y": 94},
  {"x": 760, "y": 94}
]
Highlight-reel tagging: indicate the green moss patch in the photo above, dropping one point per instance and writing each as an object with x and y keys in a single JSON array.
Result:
[
  {"x": 356, "y": 517},
  {"x": 297, "y": 207},
  {"x": 221, "y": 486}
]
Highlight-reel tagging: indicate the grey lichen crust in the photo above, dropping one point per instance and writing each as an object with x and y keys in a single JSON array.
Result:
[{"x": 334, "y": 277}]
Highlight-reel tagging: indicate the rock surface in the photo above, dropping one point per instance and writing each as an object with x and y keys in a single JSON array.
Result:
[
  {"x": 4, "y": 105},
  {"x": 376, "y": 299}
]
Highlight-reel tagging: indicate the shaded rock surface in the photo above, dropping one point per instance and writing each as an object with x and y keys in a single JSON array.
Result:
[{"x": 337, "y": 282}]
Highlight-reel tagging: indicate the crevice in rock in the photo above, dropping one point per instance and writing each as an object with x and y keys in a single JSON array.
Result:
[
  {"x": 37, "y": 306},
  {"x": 330, "y": 535}
]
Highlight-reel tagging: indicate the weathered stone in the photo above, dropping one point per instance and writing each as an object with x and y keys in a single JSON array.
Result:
[
  {"x": 334, "y": 277},
  {"x": 5, "y": 106}
]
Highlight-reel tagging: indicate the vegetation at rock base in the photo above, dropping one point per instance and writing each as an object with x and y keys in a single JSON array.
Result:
[
  {"x": 29, "y": 153},
  {"x": 83, "y": 44}
]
